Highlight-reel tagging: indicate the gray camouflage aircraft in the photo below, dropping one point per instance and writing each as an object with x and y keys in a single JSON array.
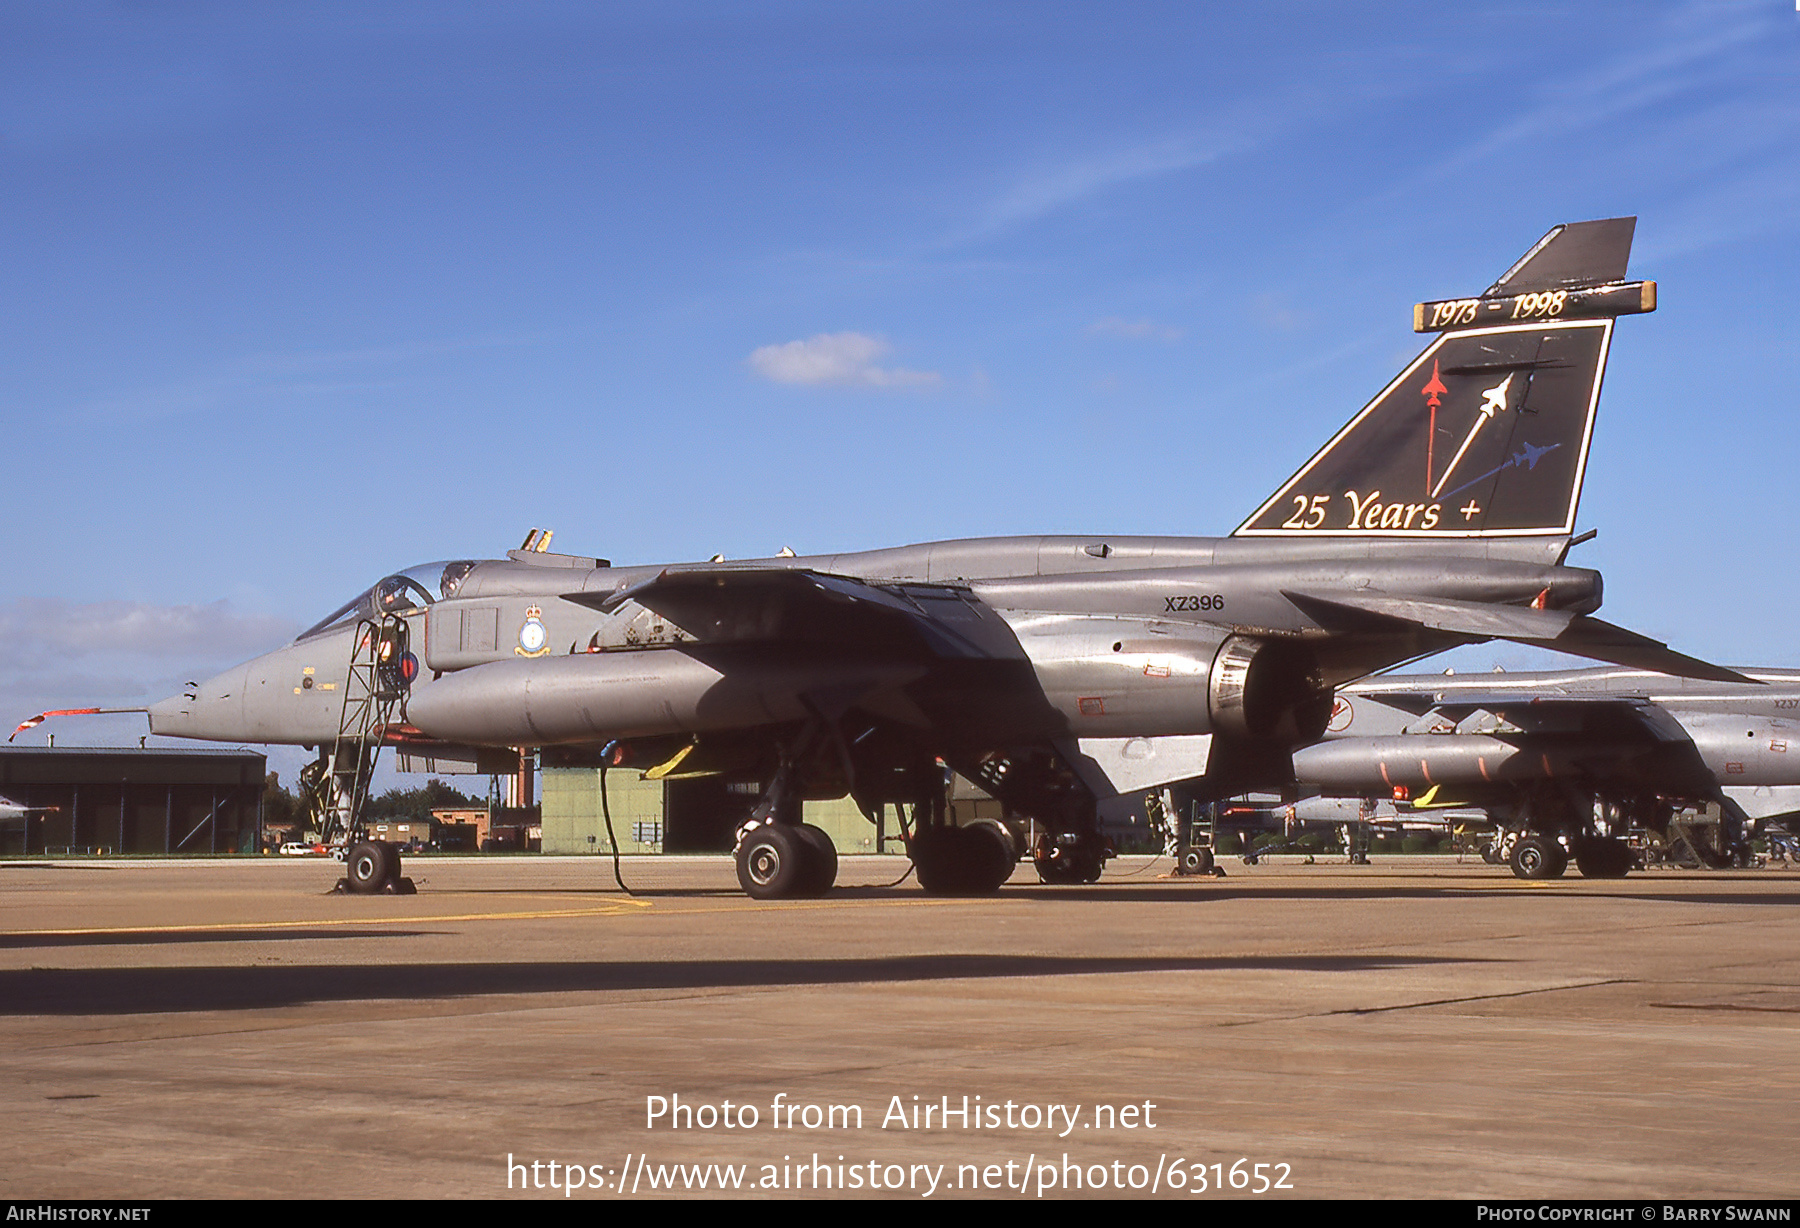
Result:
[
  {"x": 1565, "y": 762},
  {"x": 1053, "y": 672}
]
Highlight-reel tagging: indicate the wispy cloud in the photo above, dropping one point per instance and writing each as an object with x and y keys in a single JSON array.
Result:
[
  {"x": 1048, "y": 189},
  {"x": 1700, "y": 101},
  {"x": 60, "y": 654},
  {"x": 1058, "y": 183},
  {"x": 1686, "y": 53},
  {"x": 845, "y": 359},
  {"x": 1140, "y": 328},
  {"x": 34, "y": 630},
  {"x": 279, "y": 374}
]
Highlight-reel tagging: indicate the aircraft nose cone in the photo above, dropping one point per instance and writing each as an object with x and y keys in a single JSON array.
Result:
[
  {"x": 167, "y": 715},
  {"x": 212, "y": 710}
]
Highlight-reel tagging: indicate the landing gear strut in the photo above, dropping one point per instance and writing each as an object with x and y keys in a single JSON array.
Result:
[{"x": 779, "y": 857}]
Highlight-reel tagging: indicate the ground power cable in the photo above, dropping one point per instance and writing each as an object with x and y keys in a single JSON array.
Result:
[{"x": 606, "y": 755}]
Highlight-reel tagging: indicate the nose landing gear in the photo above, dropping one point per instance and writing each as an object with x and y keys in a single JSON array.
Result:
[
  {"x": 372, "y": 867},
  {"x": 338, "y": 783}
]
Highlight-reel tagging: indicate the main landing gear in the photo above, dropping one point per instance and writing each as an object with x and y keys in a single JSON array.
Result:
[
  {"x": 1538, "y": 856},
  {"x": 1560, "y": 827},
  {"x": 779, "y": 861},
  {"x": 971, "y": 860},
  {"x": 1070, "y": 857},
  {"x": 778, "y": 856}
]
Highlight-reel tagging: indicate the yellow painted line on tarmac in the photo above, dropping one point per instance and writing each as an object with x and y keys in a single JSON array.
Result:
[
  {"x": 839, "y": 905},
  {"x": 611, "y": 909}
]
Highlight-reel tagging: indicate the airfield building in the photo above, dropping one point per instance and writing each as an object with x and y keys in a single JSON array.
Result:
[{"x": 111, "y": 800}]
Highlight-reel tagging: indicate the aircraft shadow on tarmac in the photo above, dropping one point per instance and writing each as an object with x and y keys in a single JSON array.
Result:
[
  {"x": 135, "y": 991},
  {"x": 1128, "y": 892},
  {"x": 1500, "y": 890},
  {"x": 134, "y": 938}
]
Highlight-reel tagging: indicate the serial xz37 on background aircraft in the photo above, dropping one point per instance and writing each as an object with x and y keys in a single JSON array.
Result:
[{"x": 1053, "y": 672}]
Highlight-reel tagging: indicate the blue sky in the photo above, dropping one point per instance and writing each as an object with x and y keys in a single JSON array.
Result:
[{"x": 296, "y": 296}]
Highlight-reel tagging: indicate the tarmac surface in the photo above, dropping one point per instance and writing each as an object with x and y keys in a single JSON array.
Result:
[{"x": 1412, "y": 1028}]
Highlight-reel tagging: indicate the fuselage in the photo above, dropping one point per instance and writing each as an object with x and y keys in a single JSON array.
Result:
[{"x": 1118, "y": 636}]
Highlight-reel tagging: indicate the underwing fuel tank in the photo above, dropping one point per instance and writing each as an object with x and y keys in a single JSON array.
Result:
[
  {"x": 1419, "y": 761},
  {"x": 597, "y": 696}
]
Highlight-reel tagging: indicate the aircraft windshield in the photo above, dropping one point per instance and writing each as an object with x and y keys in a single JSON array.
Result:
[{"x": 404, "y": 591}]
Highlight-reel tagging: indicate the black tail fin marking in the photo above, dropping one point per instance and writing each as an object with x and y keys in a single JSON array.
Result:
[{"x": 1486, "y": 433}]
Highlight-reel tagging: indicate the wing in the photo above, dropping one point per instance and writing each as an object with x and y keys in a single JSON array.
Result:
[
  {"x": 1600, "y": 715},
  {"x": 796, "y": 606}
]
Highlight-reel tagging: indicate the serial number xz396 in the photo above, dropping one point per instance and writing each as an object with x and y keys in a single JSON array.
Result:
[{"x": 1193, "y": 601}]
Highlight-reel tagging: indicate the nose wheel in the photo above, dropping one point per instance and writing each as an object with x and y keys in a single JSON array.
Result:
[{"x": 372, "y": 867}]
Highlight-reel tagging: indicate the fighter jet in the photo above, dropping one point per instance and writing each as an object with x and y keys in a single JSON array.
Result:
[
  {"x": 10, "y": 809},
  {"x": 1053, "y": 672},
  {"x": 1567, "y": 762}
]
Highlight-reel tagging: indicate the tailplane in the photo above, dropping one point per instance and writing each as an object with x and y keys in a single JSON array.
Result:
[{"x": 1486, "y": 433}]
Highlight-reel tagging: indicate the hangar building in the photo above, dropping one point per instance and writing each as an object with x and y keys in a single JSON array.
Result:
[{"x": 112, "y": 800}]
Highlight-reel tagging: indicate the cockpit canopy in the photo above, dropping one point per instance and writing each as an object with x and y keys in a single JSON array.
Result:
[{"x": 401, "y": 593}]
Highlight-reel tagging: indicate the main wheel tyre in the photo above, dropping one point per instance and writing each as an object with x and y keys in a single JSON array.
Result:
[
  {"x": 773, "y": 863},
  {"x": 370, "y": 866},
  {"x": 1603, "y": 858},
  {"x": 1537, "y": 856},
  {"x": 989, "y": 855},
  {"x": 1071, "y": 866},
  {"x": 940, "y": 857},
  {"x": 821, "y": 859}
]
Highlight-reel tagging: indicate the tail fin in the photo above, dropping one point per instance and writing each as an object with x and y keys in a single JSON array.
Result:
[{"x": 1486, "y": 433}]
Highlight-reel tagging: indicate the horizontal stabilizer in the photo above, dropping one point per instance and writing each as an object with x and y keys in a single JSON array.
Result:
[
  {"x": 1577, "y": 634},
  {"x": 1573, "y": 254}
]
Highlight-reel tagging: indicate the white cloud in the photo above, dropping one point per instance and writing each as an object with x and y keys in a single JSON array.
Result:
[
  {"x": 38, "y": 629},
  {"x": 835, "y": 358},
  {"x": 63, "y": 654},
  {"x": 1119, "y": 326}
]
